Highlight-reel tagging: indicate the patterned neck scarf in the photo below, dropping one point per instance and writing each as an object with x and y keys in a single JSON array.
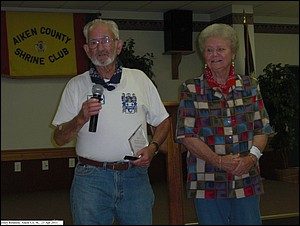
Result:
[
  {"x": 115, "y": 79},
  {"x": 224, "y": 87}
]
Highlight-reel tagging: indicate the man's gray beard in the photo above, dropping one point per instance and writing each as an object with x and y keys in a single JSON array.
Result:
[
  {"x": 107, "y": 62},
  {"x": 98, "y": 63}
]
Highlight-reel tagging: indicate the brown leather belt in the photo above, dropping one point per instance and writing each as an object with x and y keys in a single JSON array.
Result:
[{"x": 106, "y": 165}]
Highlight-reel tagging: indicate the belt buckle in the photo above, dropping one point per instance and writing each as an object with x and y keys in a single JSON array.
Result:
[{"x": 116, "y": 164}]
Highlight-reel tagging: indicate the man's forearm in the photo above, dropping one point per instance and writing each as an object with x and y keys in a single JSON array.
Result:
[
  {"x": 160, "y": 133},
  {"x": 68, "y": 131}
]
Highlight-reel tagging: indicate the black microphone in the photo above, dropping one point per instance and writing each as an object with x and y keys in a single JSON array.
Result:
[{"x": 97, "y": 91}]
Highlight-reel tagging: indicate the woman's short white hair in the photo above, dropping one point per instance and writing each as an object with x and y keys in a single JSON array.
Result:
[
  {"x": 112, "y": 24},
  {"x": 223, "y": 31}
]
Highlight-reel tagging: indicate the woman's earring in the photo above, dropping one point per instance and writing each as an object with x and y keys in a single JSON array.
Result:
[
  {"x": 205, "y": 66},
  {"x": 232, "y": 63}
]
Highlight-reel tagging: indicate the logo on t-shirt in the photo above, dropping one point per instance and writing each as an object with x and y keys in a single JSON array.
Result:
[{"x": 129, "y": 103}]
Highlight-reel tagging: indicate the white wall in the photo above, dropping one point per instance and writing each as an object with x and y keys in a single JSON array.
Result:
[
  {"x": 276, "y": 48},
  {"x": 27, "y": 108}
]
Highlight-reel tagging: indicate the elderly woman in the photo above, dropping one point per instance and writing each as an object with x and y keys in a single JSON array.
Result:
[{"x": 223, "y": 124}]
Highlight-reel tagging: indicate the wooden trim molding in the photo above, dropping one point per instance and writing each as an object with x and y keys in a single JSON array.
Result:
[
  {"x": 32, "y": 154},
  {"x": 171, "y": 104}
]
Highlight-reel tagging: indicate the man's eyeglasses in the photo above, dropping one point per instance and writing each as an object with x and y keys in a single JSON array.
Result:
[{"x": 106, "y": 42}]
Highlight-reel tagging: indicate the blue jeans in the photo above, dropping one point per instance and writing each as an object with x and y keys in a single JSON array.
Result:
[
  {"x": 100, "y": 196},
  {"x": 243, "y": 211}
]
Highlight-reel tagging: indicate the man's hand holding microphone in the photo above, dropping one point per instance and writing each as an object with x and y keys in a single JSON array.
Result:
[{"x": 90, "y": 108}]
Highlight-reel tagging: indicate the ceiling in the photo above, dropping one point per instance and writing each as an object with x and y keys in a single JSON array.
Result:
[{"x": 260, "y": 8}]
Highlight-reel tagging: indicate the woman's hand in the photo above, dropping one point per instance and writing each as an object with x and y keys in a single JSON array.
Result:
[{"x": 244, "y": 166}]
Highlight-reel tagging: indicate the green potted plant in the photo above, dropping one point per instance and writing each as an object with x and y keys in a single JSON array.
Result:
[
  {"x": 278, "y": 88},
  {"x": 130, "y": 60}
]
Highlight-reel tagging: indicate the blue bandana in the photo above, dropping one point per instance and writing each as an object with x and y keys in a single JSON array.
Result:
[{"x": 115, "y": 79}]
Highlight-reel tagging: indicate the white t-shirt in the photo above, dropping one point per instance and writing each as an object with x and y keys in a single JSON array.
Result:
[{"x": 134, "y": 102}]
